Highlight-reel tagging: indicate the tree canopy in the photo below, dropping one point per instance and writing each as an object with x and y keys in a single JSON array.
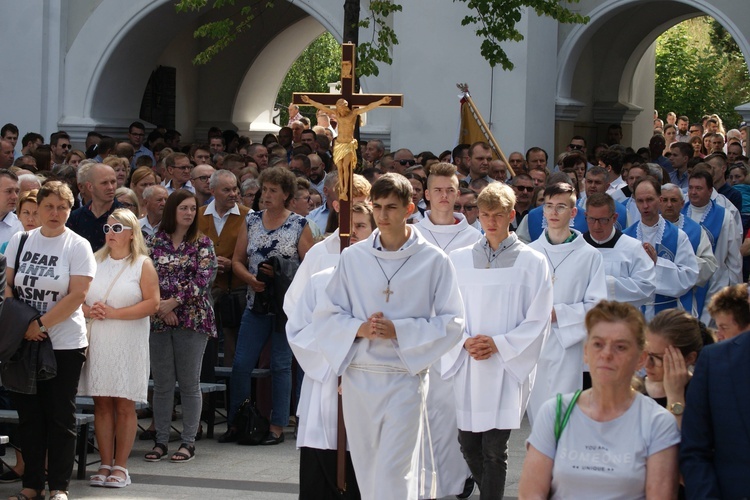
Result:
[
  {"x": 494, "y": 21},
  {"x": 700, "y": 70}
]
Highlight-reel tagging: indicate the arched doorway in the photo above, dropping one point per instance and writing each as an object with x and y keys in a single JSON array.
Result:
[{"x": 605, "y": 68}]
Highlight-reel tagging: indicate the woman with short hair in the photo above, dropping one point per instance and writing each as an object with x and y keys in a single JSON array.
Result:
[
  {"x": 608, "y": 441},
  {"x": 54, "y": 273},
  {"x": 729, "y": 309}
]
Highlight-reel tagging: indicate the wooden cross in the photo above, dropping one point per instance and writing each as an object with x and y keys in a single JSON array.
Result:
[
  {"x": 345, "y": 199},
  {"x": 387, "y": 292},
  {"x": 348, "y": 67}
]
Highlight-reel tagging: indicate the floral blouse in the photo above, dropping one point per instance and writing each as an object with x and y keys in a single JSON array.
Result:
[
  {"x": 263, "y": 244},
  {"x": 186, "y": 274}
]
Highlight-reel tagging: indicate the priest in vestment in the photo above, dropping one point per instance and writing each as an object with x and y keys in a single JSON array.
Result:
[
  {"x": 317, "y": 410},
  {"x": 448, "y": 231},
  {"x": 629, "y": 271},
  {"x": 507, "y": 291},
  {"x": 667, "y": 246},
  {"x": 578, "y": 283},
  {"x": 382, "y": 337}
]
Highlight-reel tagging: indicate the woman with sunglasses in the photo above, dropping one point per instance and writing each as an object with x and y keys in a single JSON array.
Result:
[
  {"x": 54, "y": 273},
  {"x": 124, "y": 293},
  {"x": 185, "y": 262}
]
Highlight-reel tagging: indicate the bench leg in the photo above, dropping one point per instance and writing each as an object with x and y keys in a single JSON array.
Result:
[
  {"x": 211, "y": 417},
  {"x": 83, "y": 432}
]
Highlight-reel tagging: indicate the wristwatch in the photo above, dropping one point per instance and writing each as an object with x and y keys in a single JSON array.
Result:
[
  {"x": 677, "y": 408},
  {"x": 42, "y": 328}
]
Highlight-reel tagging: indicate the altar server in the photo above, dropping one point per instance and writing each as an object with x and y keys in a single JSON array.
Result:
[
  {"x": 493, "y": 368},
  {"x": 629, "y": 270},
  {"x": 667, "y": 246},
  {"x": 578, "y": 282},
  {"x": 448, "y": 231},
  {"x": 382, "y": 336}
]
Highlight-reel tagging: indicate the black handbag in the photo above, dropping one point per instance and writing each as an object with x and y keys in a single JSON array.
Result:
[
  {"x": 250, "y": 424},
  {"x": 16, "y": 315}
]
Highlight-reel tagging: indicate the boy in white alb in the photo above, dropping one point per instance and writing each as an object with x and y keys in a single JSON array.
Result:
[
  {"x": 382, "y": 337},
  {"x": 492, "y": 370},
  {"x": 449, "y": 231},
  {"x": 317, "y": 410},
  {"x": 579, "y": 283}
]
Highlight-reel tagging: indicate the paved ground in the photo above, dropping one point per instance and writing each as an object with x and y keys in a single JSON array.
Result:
[{"x": 230, "y": 471}]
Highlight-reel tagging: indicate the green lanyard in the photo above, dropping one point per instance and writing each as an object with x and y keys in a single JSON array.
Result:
[{"x": 560, "y": 420}]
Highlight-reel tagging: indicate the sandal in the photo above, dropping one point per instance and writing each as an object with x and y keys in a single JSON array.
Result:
[
  {"x": 98, "y": 479},
  {"x": 179, "y": 457},
  {"x": 21, "y": 496},
  {"x": 157, "y": 453},
  {"x": 117, "y": 481}
]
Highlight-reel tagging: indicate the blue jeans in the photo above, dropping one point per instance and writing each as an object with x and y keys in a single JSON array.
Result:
[{"x": 254, "y": 332}]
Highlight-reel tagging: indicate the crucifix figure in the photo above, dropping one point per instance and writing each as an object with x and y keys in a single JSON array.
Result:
[{"x": 349, "y": 105}]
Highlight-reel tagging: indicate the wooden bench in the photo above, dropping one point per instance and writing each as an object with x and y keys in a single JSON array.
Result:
[{"x": 82, "y": 429}]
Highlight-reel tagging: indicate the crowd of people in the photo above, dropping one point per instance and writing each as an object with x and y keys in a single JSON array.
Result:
[{"x": 477, "y": 290}]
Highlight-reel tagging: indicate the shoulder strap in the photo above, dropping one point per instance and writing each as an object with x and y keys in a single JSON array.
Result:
[
  {"x": 562, "y": 420},
  {"x": 112, "y": 284},
  {"x": 24, "y": 237}
]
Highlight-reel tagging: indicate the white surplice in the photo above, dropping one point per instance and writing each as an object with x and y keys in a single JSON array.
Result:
[
  {"x": 579, "y": 285},
  {"x": 512, "y": 303},
  {"x": 629, "y": 271},
  {"x": 384, "y": 381},
  {"x": 317, "y": 410},
  {"x": 441, "y": 403}
]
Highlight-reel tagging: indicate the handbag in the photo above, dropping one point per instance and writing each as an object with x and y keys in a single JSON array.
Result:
[
  {"x": 252, "y": 427},
  {"x": 104, "y": 299},
  {"x": 16, "y": 315},
  {"x": 562, "y": 420},
  {"x": 30, "y": 361}
]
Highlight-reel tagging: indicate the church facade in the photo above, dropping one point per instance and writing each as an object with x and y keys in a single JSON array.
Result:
[{"x": 85, "y": 64}]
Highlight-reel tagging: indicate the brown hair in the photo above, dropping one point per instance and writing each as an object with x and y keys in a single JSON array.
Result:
[
  {"x": 618, "y": 312},
  {"x": 392, "y": 183},
  {"x": 730, "y": 300},
  {"x": 282, "y": 177},
  {"x": 141, "y": 173},
  {"x": 57, "y": 188},
  {"x": 169, "y": 219},
  {"x": 678, "y": 328}
]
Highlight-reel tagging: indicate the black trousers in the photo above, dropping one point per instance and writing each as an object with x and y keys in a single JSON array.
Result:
[
  {"x": 486, "y": 453},
  {"x": 47, "y": 424},
  {"x": 317, "y": 476}
]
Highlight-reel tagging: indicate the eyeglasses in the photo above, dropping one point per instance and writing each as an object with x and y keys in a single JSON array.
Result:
[
  {"x": 528, "y": 189},
  {"x": 186, "y": 167},
  {"x": 202, "y": 178},
  {"x": 655, "y": 359},
  {"x": 467, "y": 208},
  {"x": 127, "y": 205},
  {"x": 576, "y": 147},
  {"x": 599, "y": 220},
  {"x": 66, "y": 146},
  {"x": 555, "y": 208},
  {"x": 115, "y": 228},
  {"x": 411, "y": 163}
]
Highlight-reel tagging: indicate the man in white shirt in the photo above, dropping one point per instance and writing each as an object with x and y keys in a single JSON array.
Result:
[
  {"x": 179, "y": 168},
  {"x": 155, "y": 198},
  {"x": 493, "y": 368},
  {"x": 199, "y": 178},
  {"x": 9, "y": 190}
]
